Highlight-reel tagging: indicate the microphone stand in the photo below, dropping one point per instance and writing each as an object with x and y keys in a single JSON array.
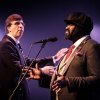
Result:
[{"x": 19, "y": 82}]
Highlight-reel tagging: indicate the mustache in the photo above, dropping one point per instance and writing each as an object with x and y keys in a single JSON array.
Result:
[{"x": 67, "y": 30}]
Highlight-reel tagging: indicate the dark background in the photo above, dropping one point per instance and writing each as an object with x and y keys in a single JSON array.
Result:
[{"x": 44, "y": 19}]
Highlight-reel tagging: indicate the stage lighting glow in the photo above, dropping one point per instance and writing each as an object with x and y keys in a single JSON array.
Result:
[{"x": 95, "y": 34}]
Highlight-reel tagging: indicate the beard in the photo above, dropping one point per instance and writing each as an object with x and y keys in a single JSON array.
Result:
[
  {"x": 68, "y": 34},
  {"x": 75, "y": 34}
]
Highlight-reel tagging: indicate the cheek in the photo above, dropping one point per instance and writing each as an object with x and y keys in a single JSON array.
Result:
[
  {"x": 72, "y": 29},
  {"x": 13, "y": 29}
]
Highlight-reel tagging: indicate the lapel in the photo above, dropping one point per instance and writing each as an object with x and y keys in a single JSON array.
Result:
[
  {"x": 67, "y": 64},
  {"x": 54, "y": 77},
  {"x": 63, "y": 66},
  {"x": 9, "y": 39}
]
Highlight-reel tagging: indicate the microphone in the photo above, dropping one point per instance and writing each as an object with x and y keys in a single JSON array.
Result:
[{"x": 51, "y": 39}]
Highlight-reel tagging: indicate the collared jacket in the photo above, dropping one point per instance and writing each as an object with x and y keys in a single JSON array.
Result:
[{"x": 83, "y": 75}]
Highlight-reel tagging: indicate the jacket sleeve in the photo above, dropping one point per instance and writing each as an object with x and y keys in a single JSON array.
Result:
[
  {"x": 48, "y": 61},
  {"x": 44, "y": 81}
]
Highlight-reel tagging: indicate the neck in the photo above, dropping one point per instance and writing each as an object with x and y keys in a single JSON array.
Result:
[{"x": 16, "y": 40}]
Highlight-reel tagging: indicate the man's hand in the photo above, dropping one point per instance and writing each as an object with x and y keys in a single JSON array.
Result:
[
  {"x": 48, "y": 70},
  {"x": 35, "y": 73},
  {"x": 59, "y": 54},
  {"x": 61, "y": 82},
  {"x": 32, "y": 73}
]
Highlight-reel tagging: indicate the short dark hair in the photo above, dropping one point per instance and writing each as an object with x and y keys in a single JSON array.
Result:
[{"x": 12, "y": 17}]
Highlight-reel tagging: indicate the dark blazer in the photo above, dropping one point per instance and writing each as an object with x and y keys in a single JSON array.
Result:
[
  {"x": 83, "y": 75},
  {"x": 11, "y": 63}
]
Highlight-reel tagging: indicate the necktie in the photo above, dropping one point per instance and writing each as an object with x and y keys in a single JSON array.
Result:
[
  {"x": 22, "y": 57},
  {"x": 69, "y": 52},
  {"x": 20, "y": 48}
]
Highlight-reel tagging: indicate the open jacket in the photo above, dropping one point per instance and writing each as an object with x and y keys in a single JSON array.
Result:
[
  {"x": 83, "y": 75},
  {"x": 11, "y": 63}
]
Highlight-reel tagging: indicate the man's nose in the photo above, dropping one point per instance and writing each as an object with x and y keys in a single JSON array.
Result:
[
  {"x": 67, "y": 27},
  {"x": 21, "y": 25}
]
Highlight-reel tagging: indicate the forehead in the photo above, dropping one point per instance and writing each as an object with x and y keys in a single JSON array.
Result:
[
  {"x": 72, "y": 25},
  {"x": 20, "y": 21}
]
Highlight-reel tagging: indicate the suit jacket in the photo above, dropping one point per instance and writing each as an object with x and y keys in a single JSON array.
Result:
[
  {"x": 11, "y": 62},
  {"x": 83, "y": 75}
]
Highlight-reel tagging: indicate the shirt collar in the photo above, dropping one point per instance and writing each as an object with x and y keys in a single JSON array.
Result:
[
  {"x": 17, "y": 41},
  {"x": 78, "y": 42}
]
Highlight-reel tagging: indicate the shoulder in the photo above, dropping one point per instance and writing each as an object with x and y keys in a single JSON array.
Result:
[
  {"x": 92, "y": 45},
  {"x": 7, "y": 42},
  {"x": 7, "y": 46},
  {"x": 92, "y": 42}
]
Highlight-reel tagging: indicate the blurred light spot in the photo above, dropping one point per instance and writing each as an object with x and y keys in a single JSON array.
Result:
[{"x": 95, "y": 34}]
